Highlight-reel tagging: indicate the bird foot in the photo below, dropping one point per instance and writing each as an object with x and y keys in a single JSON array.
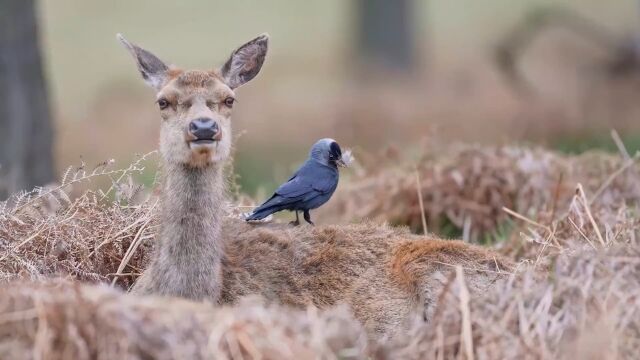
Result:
[
  {"x": 307, "y": 218},
  {"x": 294, "y": 223}
]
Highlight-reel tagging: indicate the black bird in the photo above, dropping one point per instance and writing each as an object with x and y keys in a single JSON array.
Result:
[{"x": 309, "y": 187}]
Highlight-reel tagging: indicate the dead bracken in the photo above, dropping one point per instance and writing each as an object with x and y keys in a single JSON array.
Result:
[
  {"x": 466, "y": 187},
  {"x": 575, "y": 291}
]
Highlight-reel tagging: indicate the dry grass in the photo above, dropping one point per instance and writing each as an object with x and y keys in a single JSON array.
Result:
[
  {"x": 49, "y": 232},
  {"x": 465, "y": 188},
  {"x": 576, "y": 292},
  {"x": 587, "y": 307},
  {"x": 64, "y": 320},
  {"x": 575, "y": 296}
]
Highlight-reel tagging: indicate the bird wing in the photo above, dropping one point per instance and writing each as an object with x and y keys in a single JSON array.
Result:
[
  {"x": 311, "y": 179},
  {"x": 307, "y": 184}
]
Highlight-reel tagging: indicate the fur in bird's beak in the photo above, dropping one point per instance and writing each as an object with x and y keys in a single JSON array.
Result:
[{"x": 346, "y": 159}]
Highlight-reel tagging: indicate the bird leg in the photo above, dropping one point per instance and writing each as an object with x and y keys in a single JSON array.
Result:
[
  {"x": 307, "y": 217},
  {"x": 297, "y": 222}
]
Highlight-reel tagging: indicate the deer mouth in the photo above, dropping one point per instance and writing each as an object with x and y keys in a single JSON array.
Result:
[
  {"x": 203, "y": 141},
  {"x": 204, "y": 145}
]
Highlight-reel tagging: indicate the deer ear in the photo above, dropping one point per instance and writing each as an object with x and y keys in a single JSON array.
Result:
[
  {"x": 245, "y": 62},
  {"x": 152, "y": 69}
]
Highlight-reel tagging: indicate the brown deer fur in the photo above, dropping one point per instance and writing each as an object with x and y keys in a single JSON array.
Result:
[{"x": 384, "y": 274}]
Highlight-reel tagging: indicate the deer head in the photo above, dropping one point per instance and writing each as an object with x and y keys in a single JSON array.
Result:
[{"x": 196, "y": 105}]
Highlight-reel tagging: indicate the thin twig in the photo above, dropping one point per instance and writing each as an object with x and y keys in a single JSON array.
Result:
[
  {"x": 581, "y": 233},
  {"x": 137, "y": 240},
  {"x": 627, "y": 164},
  {"x": 33, "y": 236},
  {"x": 585, "y": 203},
  {"x": 422, "y": 213},
  {"x": 440, "y": 342},
  {"x": 245, "y": 341},
  {"x": 467, "y": 335},
  {"x": 466, "y": 229},
  {"x": 544, "y": 247},
  {"x": 133, "y": 167},
  {"x": 620, "y": 145},
  {"x": 525, "y": 219},
  {"x": 16, "y": 316},
  {"x": 556, "y": 197}
]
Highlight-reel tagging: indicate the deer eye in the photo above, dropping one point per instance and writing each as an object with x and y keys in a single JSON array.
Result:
[
  {"x": 163, "y": 104},
  {"x": 229, "y": 101}
]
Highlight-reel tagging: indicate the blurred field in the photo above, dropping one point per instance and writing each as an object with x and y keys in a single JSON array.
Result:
[{"x": 310, "y": 88}]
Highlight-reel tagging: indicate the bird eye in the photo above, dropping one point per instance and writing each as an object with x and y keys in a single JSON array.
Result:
[
  {"x": 163, "y": 104},
  {"x": 229, "y": 101}
]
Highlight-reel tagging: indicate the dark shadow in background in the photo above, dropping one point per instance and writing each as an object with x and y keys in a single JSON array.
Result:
[{"x": 26, "y": 134}]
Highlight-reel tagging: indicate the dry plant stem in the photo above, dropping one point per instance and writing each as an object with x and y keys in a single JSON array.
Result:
[
  {"x": 98, "y": 171},
  {"x": 17, "y": 316},
  {"x": 525, "y": 219},
  {"x": 420, "y": 201},
  {"x": 134, "y": 245},
  {"x": 467, "y": 335},
  {"x": 37, "y": 233},
  {"x": 131, "y": 167},
  {"x": 114, "y": 237},
  {"x": 544, "y": 247},
  {"x": 581, "y": 233},
  {"x": 620, "y": 145},
  {"x": 65, "y": 320},
  {"x": 476, "y": 182},
  {"x": 562, "y": 294},
  {"x": 466, "y": 229},
  {"x": 440, "y": 342},
  {"x": 556, "y": 198},
  {"x": 587, "y": 209},
  {"x": 248, "y": 345},
  {"x": 627, "y": 164}
]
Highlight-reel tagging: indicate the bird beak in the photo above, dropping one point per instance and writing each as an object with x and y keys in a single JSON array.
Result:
[{"x": 341, "y": 163}]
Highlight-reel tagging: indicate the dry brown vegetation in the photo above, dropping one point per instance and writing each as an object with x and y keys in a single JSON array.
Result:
[
  {"x": 585, "y": 308},
  {"x": 64, "y": 320},
  {"x": 49, "y": 232},
  {"x": 576, "y": 292},
  {"x": 465, "y": 188}
]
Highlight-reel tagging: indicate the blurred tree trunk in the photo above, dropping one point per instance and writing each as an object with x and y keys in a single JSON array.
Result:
[
  {"x": 386, "y": 33},
  {"x": 26, "y": 135}
]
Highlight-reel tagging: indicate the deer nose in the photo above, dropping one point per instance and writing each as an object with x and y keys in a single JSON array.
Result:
[{"x": 204, "y": 129}]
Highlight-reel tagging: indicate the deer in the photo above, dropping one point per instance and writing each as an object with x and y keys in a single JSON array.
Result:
[{"x": 385, "y": 275}]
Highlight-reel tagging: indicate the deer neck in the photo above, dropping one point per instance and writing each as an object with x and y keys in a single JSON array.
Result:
[
  {"x": 192, "y": 201},
  {"x": 190, "y": 245}
]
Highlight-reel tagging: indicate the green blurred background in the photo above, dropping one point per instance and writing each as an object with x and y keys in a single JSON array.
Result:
[{"x": 317, "y": 82}]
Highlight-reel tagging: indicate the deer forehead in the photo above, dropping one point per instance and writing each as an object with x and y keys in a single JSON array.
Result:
[{"x": 182, "y": 84}]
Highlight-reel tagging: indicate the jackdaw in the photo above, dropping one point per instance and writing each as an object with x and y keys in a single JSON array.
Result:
[{"x": 309, "y": 187}]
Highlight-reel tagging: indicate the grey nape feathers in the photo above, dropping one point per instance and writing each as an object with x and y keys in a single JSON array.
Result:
[{"x": 309, "y": 187}]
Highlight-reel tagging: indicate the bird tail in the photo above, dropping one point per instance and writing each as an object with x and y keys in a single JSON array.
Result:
[
  {"x": 263, "y": 211},
  {"x": 258, "y": 215}
]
